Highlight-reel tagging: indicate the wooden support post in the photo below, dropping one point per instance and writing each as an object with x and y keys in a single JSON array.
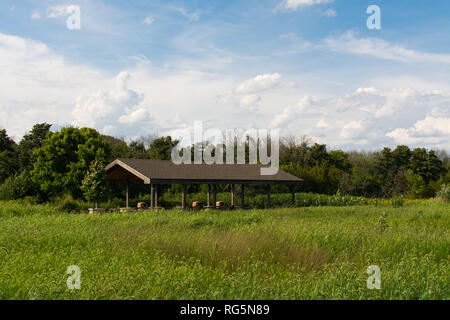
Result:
[
  {"x": 152, "y": 196},
  {"x": 268, "y": 196},
  {"x": 156, "y": 196},
  {"x": 183, "y": 197},
  {"x": 214, "y": 196},
  {"x": 242, "y": 196},
  {"x": 209, "y": 196},
  {"x": 293, "y": 195},
  {"x": 127, "y": 195},
  {"x": 232, "y": 195}
]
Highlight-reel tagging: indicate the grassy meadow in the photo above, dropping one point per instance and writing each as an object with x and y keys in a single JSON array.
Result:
[{"x": 303, "y": 253}]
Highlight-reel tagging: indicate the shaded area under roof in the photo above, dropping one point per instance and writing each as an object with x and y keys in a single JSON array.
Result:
[{"x": 140, "y": 171}]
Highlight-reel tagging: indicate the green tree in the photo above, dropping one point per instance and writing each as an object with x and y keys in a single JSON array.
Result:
[
  {"x": 6, "y": 143},
  {"x": 340, "y": 160},
  {"x": 161, "y": 148},
  {"x": 119, "y": 148},
  {"x": 364, "y": 180},
  {"x": 138, "y": 150},
  {"x": 8, "y": 156},
  {"x": 417, "y": 185},
  {"x": 427, "y": 165},
  {"x": 317, "y": 154},
  {"x": 384, "y": 163},
  {"x": 31, "y": 142},
  {"x": 401, "y": 157},
  {"x": 18, "y": 186},
  {"x": 292, "y": 151},
  {"x": 64, "y": 157},
  {"x": 94, "y": 185},
  {"x": 400, "y": 185}
]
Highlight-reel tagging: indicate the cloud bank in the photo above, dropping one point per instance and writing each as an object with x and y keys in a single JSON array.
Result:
[
  {"x": 39, "y": 85},
  {"x": 296, "y": 4}
]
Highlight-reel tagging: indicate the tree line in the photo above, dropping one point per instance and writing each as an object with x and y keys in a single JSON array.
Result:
[{"x": 46, "y": 164}]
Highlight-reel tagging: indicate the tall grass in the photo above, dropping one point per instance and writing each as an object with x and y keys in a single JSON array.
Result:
[{"x": 305, "y": 253}]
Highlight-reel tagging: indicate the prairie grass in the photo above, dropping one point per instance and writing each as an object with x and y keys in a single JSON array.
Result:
[{"x": 303, "y": 253}]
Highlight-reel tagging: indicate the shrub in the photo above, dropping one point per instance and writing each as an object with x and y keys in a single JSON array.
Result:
[
  {"x": 33, "y": 200},
  {"x": 444, "y": 193},
  {"x": 418, "y": 187},
  {"x": 17, "y": 187},
  {"x": 115, "y": 203},
  {"x": 69, "y": 205}
]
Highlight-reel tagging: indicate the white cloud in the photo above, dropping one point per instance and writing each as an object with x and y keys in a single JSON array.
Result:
[
  {"x": 304, "y": 107},
  {"x": 322, "y": 124},
  {"x": 431, "y": 130},
  {"x": 372, "y": 118},
  {"x": 37, "y": 84},
  {"x": 149, "y": 20},
  {"x": 102, "y": 108},
  {"x": 330, "y": 13},
  {"x": 295, "y": 4},
  {"x": 138, "y": 116},
  {"x": 352, "y": 130},
  {"x": 248, "y": 95},
  {"x": 35, "y": 15},
  {"x": 250, "y": 100},
  {"x": 349, "y": 43},
  {"x": 193, "y": 16},
  {"x": 57, "y": 11},
  {"x": 259, "y": 83},
  {"x": 366, "y": 90}
]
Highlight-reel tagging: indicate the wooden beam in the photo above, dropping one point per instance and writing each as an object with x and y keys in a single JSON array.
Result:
[
  {"x": 144, "y": 178},
  {"x": 226, "y": 181},
  {"x": 127, "y": 196},
  {"x": 152, "y": 196},
  {"x": 293, "y": 195},
  {"x": 214, "y": 196},
  {"x": 242, "y": 196},
  {"x": 156, "y": 196},
  {"x": 209, "y": 196},
  {"x": 268, "y": 196},
  {"x": 183, "y": 197},
  {"x": 232, "y": 195}
]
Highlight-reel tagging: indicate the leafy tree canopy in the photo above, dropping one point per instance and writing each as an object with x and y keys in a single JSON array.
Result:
[
  {"x": 31, "y": 142},
  {"x": 8, "y": 156},
  {"x": 94, "y": 185},
  {"x": 62, "y": 160},
  {"x": 161, "y": 148},
  {"x": 6, "y": 143}
]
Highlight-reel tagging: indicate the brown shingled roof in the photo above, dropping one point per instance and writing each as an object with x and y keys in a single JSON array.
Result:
[{"x": 141, "y": 171}]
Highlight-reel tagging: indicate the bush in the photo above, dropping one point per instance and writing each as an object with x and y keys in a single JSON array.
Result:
[
  {"x": 69, "y": 205},
  {"x": 418, "y": 187},
  {"x": 115, "y": 203},
  {"x": 444, "y": 193},
  {"x": 17, "y": 187},
  {"x": 33, "y": 200}
]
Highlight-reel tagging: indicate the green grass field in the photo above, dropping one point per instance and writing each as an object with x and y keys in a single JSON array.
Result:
[{"x": 305, "y": 253}]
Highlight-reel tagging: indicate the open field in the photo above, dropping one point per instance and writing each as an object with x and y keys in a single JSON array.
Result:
[{"x": 305, "y": 253}]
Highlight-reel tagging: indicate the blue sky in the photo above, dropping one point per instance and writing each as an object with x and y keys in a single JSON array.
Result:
[{"x": 307, "y": 67}]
